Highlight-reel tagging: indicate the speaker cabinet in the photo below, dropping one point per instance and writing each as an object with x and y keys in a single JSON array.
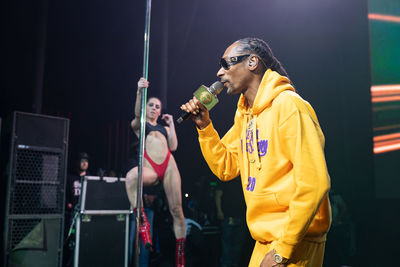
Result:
[
  {"x": 34, "y": 214},
  {"x": 102, "y": 227}
]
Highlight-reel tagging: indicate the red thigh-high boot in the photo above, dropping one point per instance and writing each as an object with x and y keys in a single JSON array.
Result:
[
  {"x": 144, "y": 230},
  {"x": 180, "y": 253}
]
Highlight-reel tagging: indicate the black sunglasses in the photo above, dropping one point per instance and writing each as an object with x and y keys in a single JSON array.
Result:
[{"x": 232, "y": 61}]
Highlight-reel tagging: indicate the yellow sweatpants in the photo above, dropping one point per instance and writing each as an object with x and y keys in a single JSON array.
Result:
[{"x": 306, "y": 254}]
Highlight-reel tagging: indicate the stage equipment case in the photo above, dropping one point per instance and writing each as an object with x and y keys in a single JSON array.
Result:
[{"x": 102, "y": 226}]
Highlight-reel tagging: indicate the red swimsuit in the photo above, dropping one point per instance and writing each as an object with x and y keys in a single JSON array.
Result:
[{"x": 159, "y": 168}]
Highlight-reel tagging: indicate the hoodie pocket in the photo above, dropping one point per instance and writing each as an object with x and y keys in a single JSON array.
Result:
[{"x": 267, "y": 202}]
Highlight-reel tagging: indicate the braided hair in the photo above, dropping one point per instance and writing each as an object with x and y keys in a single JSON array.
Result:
[{"x": 263, "y": 51}]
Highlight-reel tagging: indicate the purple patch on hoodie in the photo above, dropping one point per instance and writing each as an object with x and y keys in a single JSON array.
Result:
[
  {"x": 262, "y": 147},
  {"x": 262, "y": 144},
  {"x": 251, "y": 184}
]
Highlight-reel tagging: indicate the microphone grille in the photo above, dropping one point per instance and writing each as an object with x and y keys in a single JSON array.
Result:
[{"x": 216, "y": 88}]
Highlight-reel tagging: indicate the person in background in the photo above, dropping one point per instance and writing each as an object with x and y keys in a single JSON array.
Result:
[
  {"x": 231, "y": 211},
  {"x": 74, "y": 181},
  {"x": 73, "y": 192},
  {"x": 340, "y": 245}
]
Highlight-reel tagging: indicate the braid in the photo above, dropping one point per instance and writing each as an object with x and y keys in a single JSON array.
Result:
[{"x": 263, "y": 51}]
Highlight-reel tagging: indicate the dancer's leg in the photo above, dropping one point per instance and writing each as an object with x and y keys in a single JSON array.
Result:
[
  {"x": 149, "y": 178},
  {"x": 172, "y": 187}
]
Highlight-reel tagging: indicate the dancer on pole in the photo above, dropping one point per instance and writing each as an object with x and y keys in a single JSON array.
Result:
[
  {"x": 159, "y": 166},
  {"x": 148, "y": 171}
]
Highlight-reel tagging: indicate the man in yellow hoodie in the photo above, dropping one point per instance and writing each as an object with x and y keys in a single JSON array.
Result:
[{"x": 277, "y": 146}]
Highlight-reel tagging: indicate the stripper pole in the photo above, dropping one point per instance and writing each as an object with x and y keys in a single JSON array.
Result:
[{"x": 142, "y": 129}]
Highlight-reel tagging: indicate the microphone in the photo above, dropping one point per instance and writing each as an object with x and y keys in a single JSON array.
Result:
[{"x": 207, "y": 96}]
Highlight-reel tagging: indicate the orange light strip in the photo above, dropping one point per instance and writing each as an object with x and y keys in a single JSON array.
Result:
[
  {"x": 386, "y": 143},
  {"x": 387, "y": 148},
  {"x": 385, "y": 99},
  {"x": 385, "y": 93},
  {"x": 388, "y": 92},
  {"x": 384, "y": 128},
  {"x": 381, "y": 17},
  {"x": 386, "y": 137},
  {"x": 384, "y": 88}
]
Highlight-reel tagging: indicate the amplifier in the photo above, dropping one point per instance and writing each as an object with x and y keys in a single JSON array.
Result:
[
  {"x": 104, "y": 195},
  {"x": 102, "y": 226}
]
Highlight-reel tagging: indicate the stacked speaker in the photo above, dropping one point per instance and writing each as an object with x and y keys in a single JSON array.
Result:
[{"x": 34, "y": 214}]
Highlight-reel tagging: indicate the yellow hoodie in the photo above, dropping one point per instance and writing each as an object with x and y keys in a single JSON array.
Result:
[{"x": 286, "y": 183}]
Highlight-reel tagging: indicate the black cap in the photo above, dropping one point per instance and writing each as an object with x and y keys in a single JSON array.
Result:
[{"x": 83, "y": 155}]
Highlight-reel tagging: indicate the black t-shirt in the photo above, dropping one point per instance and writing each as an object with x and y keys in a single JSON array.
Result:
[{"x": 73, "y": 189}]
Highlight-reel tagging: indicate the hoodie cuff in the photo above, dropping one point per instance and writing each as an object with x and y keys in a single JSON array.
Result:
[
  {"x": 283, "y": 249},
  {"x": 207, "y": 131}
]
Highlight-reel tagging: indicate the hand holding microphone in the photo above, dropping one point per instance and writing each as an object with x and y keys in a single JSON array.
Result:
[
  {"x": 198, "y": 112},
  {"x": 204, "y": 100}
]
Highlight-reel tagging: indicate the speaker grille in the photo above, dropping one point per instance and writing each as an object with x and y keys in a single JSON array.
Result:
[
  {"x": 38, "y": 184},
  {"x": 20, "y": 230}
]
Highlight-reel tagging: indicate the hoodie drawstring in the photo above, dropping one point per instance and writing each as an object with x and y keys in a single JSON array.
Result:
[
  {"x": 253, "y": 156},
  {"x": 255, "y": 135},
  {"x": 251, "y": 143}
]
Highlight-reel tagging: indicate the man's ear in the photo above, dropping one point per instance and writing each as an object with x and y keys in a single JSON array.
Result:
[{"x": 253, "y": 62}]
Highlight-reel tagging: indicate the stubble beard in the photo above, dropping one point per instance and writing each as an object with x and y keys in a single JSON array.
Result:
[{"x": 231, "y": 90}]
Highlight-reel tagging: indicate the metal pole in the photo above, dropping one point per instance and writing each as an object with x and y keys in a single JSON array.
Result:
[
  {"x": 164, "y": 56},
  {"x": 41, "y": 58},
  {"x": 142, "y": 129}
]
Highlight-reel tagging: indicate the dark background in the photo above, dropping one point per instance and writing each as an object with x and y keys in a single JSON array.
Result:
[{"x": 92, "y": 53}]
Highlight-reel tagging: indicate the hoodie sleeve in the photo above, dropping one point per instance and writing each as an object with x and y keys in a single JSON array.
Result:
[
  {"x": 220, "y": 155},
  {"x": 303, "y": 143}
]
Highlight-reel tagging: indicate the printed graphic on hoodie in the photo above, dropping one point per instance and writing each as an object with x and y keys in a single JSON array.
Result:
[
  {"x": 251, "y": 184},
  {"x": 262, "y": 144}
]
